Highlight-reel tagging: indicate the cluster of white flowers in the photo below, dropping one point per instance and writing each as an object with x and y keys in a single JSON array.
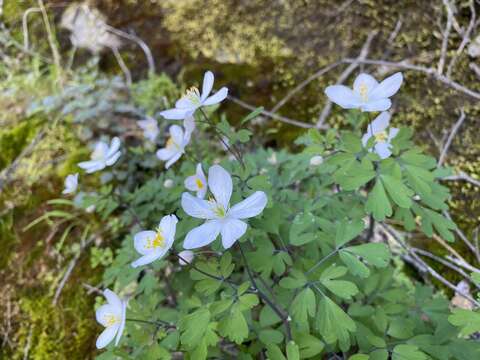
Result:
[{"x": 220, "y": 218}]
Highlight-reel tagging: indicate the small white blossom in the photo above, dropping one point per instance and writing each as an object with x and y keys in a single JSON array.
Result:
[
  {"x": 71, "y": 184},
  {"x": 221, "y": 219},
  {"x": 193, "y": 100},
  {"x": 185, "y": 257},
  {"x": 378, "y": 130},
  {"x": 150, "y": 128},
  {"x": 197, "y": 182},
  {"x": 153, "y": 245},
  {"x": 367, "y": 93},
  {"x": 103, "y": 156},
  {"x": 168, "y": 183},
  {"x": 112, "y": 317},
  {"x": 316, "y": 160},
  {"x": 178, "y": 140}
]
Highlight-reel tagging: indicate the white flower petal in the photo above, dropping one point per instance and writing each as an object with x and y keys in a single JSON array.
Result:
[
  {"x": 393, "y": 132},
  {"x": 122, "y": 322},
  {"x": 176, "y": 132},
  {"x": 184, "y": 103},
  {"x": 202, "y": 192},
  {"x": 380, "y": 123},
  {"x": 189, "y": 125},
  {"x": 100, "y": 151},
  {"x": 377, "y": 105},
  {"x": 250, "y": 207},
  {"x": 113, "y": 159},
  {"x": 366, "y": 137},
  {"x": 220, "y": 184},
  {"x": 197, "y": 208},
  {"x": 191, "y": 183},
  {"x": 207, "y": 86},
  {"x": 231, "y": 231},
  {"x": 149, "y": 258},
  {"x": 168, "y": 224},
  {"x": 113, "y": 299},
  {"x": 174, "y": 114},
  {"x": 166, "y": 153},
  {"x": 216, "y": 98},
  {"x": 104, "y": 312},
  {"x": 141, "y": 241},
  {"x": 202, "y": 235},
  {"x": 383, "y": 149},
  {"x": 185, "y": 257},
  {"x": 114, "y": 146},
  {"x": 343, "y": 96},
  {"x": 92, "y": 165},
  {"x": 366, "y": 80},
  {"x": 387, "y": 87},
  {"x": 106, "y": 336},
  {"x": 174, "y": 159}
]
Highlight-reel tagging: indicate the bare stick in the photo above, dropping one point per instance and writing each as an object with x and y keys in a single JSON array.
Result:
[
  {"x": 123, "y": 66},
  {"x": 25, "y": 25},
  {"x": 465, "y": 38},
  {"x": 463, "y": 176},
  {"x": 464, "y": 238},
  {"x": 463, "y": 264},
  {"x": 344, "y": 76},
  {"x": 50, "y": 36},
  {"x": 451, "y": 135},
  {"x": 446, "y": 35},
  {"x": 271, "y": 114}
]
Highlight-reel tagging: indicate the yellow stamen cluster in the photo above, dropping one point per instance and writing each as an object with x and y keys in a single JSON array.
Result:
[
  {"x": 363, "y": 90},
  {"x": 157, "y": 241},
  {"x": 193, "y": 94},
  {"x": 110, "y": 319},
  {"x": 217, "y": 208},
  {"x": 381, "y": 136},
  {"x": 199, "y": 183}
]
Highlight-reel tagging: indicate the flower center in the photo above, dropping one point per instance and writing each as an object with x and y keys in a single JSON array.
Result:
[
  {"x": 199, "y": 183},
  {"x": 218, "y": 209},
  {"x": 171, "y": 143},
  {"x": 110, "y": 319},
  {"x": 363, "y": 90},
  {"x": 381, "y": 136},
  {"x": 193, "y": 94},
  {"x": 157, "y": 241}
]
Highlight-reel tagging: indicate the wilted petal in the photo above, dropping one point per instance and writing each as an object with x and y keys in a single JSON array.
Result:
[
  {"x": 383, "y": 149},
  {"x": 380, "y": 123},
  {"x": 377, "y": 105},
  {"x": 250, "y": 207},
  {"x": 219, "y": 96},
  {"x": 343, "y": 96},
  {"x": 220, "y": 184},
  {"x": 365, "y": 80},
  {"x": 207, "y": 86},
  {"x": 174, "y": 114},
  {"x": 387, "y": 87},
  {"x": 106, "y": 336},
  {"x": 196, "y": 207},
  {"x": 202, "y": 235},
  {"x": 232, "y": 230}
]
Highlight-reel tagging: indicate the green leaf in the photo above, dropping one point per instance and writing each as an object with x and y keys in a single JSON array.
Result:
[
  {"x": 301, "y": 230},
  {"x": 407, "y": 352},
  {"x": 309, "y": 345},
  {"x": 359, "y": 357},
  {"x": 226, "y": 266},
  {"x": 234, "y": 326},
  {"x": 292, "y": 351},
  {"x": 193, "y": 327},
  {"x": 355, "y": 266},
  {"x": 377, "y": 203},
  {"x": 376, "y": 254},
  {"x": 252, "y": 115},
  {"x": 399, "y": 193},
  {"x": 342, "y": 288},
  {"x": 351, "y": 142},
  {"x": 333, "y": 272},
  {"x": 467, "y": 320},
  {"x": 274, "y": 352},
  {"x": 268, "y": 317},
  {"x": 269, "y": 336},
  {"x": 244, "y": 135},
  {"x": 247, "y": 301},
  {"x": 380, "y": 354},
  {"x": 346, "y": 231},
  {"x": 303, "y": 306},
  {"x": 295, "y": 280}
]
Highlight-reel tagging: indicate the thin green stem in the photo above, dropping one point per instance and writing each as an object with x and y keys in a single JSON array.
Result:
[
  {"x": 322, "y": 261},
  {"x": 154, "y": 322}
]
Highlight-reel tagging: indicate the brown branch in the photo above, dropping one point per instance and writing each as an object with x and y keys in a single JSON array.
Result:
[
  {"x": 450, "y": 137},
  {"x": 446, "y": 35}
]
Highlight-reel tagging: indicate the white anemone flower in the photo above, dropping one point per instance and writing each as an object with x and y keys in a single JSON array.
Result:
[
  {"x": 176, "y": 143},
  {"x": 103, "y": 156},
  {"x": 150, "y": 128},
  {"x": 221, "y": 218},
  {"x": 192, "y": 100},
  {"x": 112, "y": 317},
  {"x": 71, "y": 184},
  {"x": 153, "y": 245},
  {"x": 197, "y": 182},
  {"x": 382, "y": 138},
  {"x": 185, "y": 257},
  {"x": 367, "y": 93}
]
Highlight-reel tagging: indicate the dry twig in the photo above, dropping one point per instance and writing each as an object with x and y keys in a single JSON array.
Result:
[{"x": 451, "y": 135}]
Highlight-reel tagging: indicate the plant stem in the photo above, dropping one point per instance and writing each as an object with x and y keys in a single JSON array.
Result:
[
  {"x": 322, "y": 261},
  {"x": 156, "y": 323},
  {"x": 280, "y": 312}
]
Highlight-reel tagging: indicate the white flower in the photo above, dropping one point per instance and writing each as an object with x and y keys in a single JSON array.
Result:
[
  {"x": 150, "y": 128},
  {"x": 221, "y": 219},
  {"x": 272, "y": 159},
  {"x": 178, "y": 140},
  {"x": 193, "y": 100},
  {"x": 102, "y": 156},
  {"x": 154, "y": 244},
  {"x": 377, "y": 129},
  {"x": 197, "y": 182},
  {"x": 112, "y": 316},
  {"x": 316, "y": 160},
  {"x": 71, "y": 184},
  {"x": 185, "y": 257},
  {"x": 168, "y": 183},
  {"x": 367, "y": 93}
]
